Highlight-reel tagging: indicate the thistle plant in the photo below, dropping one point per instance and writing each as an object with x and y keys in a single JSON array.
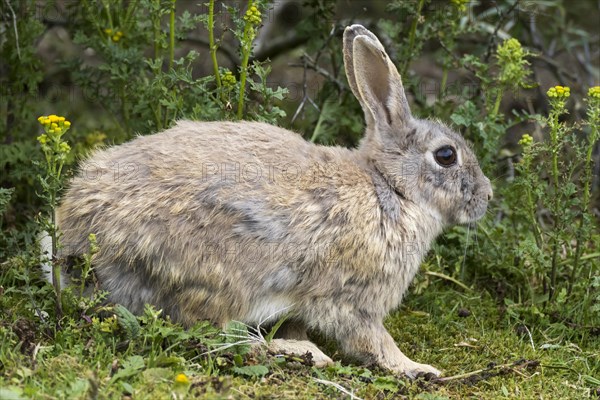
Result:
[{"x": 55, "y": 150}]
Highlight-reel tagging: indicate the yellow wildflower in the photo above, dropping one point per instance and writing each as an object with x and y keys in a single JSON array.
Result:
[
  {"x": 182, "y": 379},
  {"x": 526, "y": 140},
  {"x": 54, "y": 125},
  {"x": 253, "y": 15},
  {"x": 594, "y": 92},
  {"x": 64, "y": 147},
  {"x": 115, "y": 36},
  {"x": 228, "y": 79},
  {"x": 559, "y": 92},
  {"x": 461, "y": 5}
]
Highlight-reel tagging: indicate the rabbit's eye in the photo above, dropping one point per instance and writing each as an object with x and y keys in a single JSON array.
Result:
[{"x": 445, "y": 156}]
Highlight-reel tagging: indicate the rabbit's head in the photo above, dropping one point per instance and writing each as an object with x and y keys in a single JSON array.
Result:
[{"x": 424, "y": 161}]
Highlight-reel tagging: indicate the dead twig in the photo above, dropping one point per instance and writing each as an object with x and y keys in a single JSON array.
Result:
[{"x": 494, "y": 369}]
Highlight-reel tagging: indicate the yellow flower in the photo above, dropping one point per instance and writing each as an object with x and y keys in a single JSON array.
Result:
[
  {"x": 182, "y": 379},
  {"x": 67, "y": 124},
  {"x": 526, "y": 140},
  {"x": 43, "y": 139},
  {"x": 253, "y": 15},
  {"x": 228, "y": 79},
  {"x": 461, "y": 4},
  {"x": 116, "y": 38},
  {"x": 559, "y": 92},
  {"x": 594, "y": 92},
  {"x": 64, "y": 147},
  {"x": 108, "y": 31}
]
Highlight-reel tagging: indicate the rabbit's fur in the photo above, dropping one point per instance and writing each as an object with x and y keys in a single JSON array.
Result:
[{"x": 247, "y": 221}]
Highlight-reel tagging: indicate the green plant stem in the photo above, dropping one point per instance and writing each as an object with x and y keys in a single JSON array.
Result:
[
  {"x": 536, "y": 229},
  {"x": 555, "y": 146},
  {"x": 412, "y": 35},
  {"x": 246, "y": 49},
  {"x": 129, "y": 13},
  {"x": 124, "y": 109},
  {"x": 156, "y": 26},
  {"x": 554, "y": 131},
  {"x": 56, "y": 269},
  {"x": 54, "y": 170},
  {"x": 585, "y": 202},
  {"x": 172, "y": 34},
  {"x": 107, "y": 8},
  {"x": 444, "y": 81},
  {"x": 497, "y": 103},
  {"x": 156, "y": 31},
  {"x": 211, "y": 41}
]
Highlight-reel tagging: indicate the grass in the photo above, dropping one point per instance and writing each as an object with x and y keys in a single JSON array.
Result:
[{"x": 484, "y": 351}]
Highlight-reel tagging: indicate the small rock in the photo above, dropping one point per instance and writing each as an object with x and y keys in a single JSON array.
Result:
[{"x": 463, "y": 312}]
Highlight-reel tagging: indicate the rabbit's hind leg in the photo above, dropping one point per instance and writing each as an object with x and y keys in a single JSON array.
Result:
[
  {"x": 291, "y": 338},
  {"x": 300, "y": 348}
]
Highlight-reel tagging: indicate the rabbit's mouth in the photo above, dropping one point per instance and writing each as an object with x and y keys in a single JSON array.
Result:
[{"x": 475, "y": 209}]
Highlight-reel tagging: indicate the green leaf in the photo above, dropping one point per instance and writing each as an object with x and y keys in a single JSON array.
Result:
[
  {"x": 274, "y": 329},
  {"x": 388, "y": 383},
  {"x": 132, "y": 366},
  {"x": 251, "y": 370},
  {"x": 127, "y": 388},
  {"x": 11, "y": 393}
]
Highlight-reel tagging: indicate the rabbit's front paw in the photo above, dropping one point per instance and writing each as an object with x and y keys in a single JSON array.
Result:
[
  {"x": 414, "y": 370},
  {"x": 300, "y": 347}
]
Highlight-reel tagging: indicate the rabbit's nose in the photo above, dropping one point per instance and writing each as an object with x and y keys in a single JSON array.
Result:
[{"x": 490, "y": 191}]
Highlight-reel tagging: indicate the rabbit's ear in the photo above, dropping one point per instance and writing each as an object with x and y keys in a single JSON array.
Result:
[
  {"x": 373, "y": 78},
  {"x": 350, "y": 33}
]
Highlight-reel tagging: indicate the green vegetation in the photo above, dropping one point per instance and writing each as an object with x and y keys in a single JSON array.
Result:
[{"x": 509, "y": 308}]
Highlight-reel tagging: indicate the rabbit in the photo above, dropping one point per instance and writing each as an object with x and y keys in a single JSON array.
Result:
[{"x": 247, "y": 221}]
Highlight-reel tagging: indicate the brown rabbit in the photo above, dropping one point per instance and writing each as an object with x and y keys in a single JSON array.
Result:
[{"x": 246, "y": 221}]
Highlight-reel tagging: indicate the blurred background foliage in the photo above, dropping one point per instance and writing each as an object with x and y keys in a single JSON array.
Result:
[{"x": 110, "y": 68}]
